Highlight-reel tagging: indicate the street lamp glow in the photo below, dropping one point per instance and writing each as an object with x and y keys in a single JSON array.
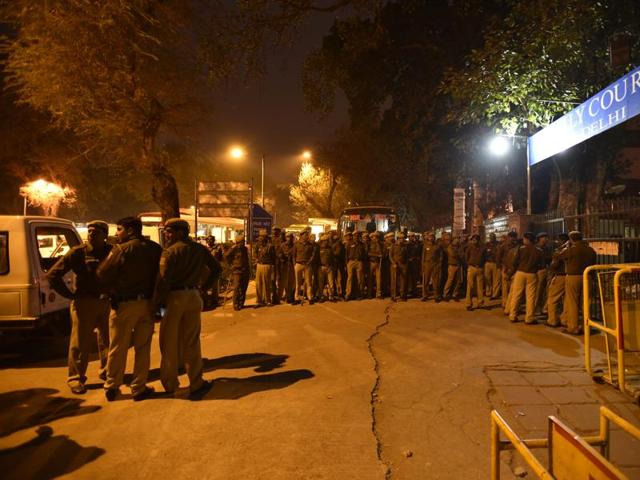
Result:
[
  {"x": 306, "y": 155},
  {"x": 237, "y": 152},
  {"x": 47, "y": 195},
  {"x": 499, "y": 146}
]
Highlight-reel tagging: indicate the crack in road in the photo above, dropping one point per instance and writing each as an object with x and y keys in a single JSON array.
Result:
[{"x": 374, "y": 391}]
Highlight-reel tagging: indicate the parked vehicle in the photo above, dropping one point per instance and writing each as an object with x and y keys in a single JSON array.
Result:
[{"x": 29, "y": 247}]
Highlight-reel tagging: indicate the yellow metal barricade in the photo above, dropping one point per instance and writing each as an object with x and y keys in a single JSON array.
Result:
[
  {"x": 570, "y": 456},
  {"x": 612, "y": 306}
]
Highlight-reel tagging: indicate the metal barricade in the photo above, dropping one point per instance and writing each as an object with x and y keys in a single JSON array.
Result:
[
  {"x": 612, "y": 307},
  {"x": 569, "y": 455}
]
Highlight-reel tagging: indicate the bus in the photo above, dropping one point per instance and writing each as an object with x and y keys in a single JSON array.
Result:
[{"x": 369, "y": 219}]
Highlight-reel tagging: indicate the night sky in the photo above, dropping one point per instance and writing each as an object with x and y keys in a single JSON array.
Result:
[{"x": 268, "y": 115}]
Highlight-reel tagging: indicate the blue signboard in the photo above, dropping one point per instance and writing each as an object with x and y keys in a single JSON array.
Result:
[{"x": 618, "y": 102}]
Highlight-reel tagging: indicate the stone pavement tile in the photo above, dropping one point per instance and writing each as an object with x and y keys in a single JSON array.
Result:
[
  {"x": 583, "y": 418},
  {"x": 506, "y": 377},
  {"x": 624, "y": 449},
  {"x": 628, "y": 411},
  {"x": 566, "y": 395},
  {"x": 631, "y": 472},
  {"x": 533, "y": 418},
  {"x": 577, "y": 378},
  {"x": 516, "y": 395},
  {"x": 545, "y": 378},
  {"x": 609, "y": 394}
]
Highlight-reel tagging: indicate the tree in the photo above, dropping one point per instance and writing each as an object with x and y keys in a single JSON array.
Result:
[{"x": 318, "y": 193}]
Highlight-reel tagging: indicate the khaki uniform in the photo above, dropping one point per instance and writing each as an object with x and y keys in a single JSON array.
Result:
[
  {"x": 399, "y": 269},
  {"x": 528, "y": 257},
  {"x": 432, "y": 256},
  {"x": 131, "y": 269},
  {"x": 326, "y": 271},
  {"x": 492, "y": 275},
  {"x": 339, "y": 255},
  {"x": 89, "y": 308},
  {"x": 454, "y": 262},
  {"x": 304, "y": 254},
  {"x": 475, "y": 258},
  {"x": 507, "y": 257},
  {"x": 577, "y": 258},
  {"x": 237, "y": 258},
  {"x": 265, "y": 257},
  {"x": 287, "y": 271},
  {"x": 543, "y": 280},
  {"x": 356, "y": 257},
  {"x": 375, "y": 253},
  {"x": 182, "y": 266}
]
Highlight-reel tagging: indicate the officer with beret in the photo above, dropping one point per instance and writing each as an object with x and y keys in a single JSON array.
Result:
[
  {"x": 130, "y": 270},
  {"x": 89, "y": 302},
  {"x": 183, "y": 265},
  {"x": 264, "y": 256},
  {"x": 237, "y": 257}
]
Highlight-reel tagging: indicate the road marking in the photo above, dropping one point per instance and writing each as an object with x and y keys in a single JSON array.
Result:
[{"x": 335, "y": 312}]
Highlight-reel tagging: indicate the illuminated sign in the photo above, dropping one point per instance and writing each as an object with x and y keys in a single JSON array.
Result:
[{"x": 615, "y": 104}]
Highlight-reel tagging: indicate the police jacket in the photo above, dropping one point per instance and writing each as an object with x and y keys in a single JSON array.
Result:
[
  {"x": 527, "y": 259},
  {"x": 454, "y": 256},
  {"x": 432, "y": 252},
  {"x": 325, "y": 255},
  {"x": 578, "y": 257},
  {"x": 285, "y": 252},
  {"x": 376, "y": 250},
  {"x": 131, "y": 268},
  {"x": 264, "y": 253},
  {"x": 237, "y": 258},
  {"x": 475, "y": 255},
  {"x": 339, "y": 252},
  {"x": 304, "y": 252},
  {"x": 356, "y": 251},
  {"x": 82, "y": 260},
  {"x": 510, "y": 250},
  {"x": 491, "y": 251},
  {"x": 399, "y": 253}
]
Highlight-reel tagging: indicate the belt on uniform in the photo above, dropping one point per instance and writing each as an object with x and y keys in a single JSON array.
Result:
[
  {"x": 183, "y": 287},
  {"x": 95, "y": 296},
  {"x": 260, "y": 263},
  {"x": 132, "y": 297}
]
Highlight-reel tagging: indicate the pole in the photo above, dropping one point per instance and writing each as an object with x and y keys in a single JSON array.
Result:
[
  {"x": 249, "y": 235},
  {"x": 24, "y": 207},
  {"x": 528, "y": 180},
  {"x": 195, "y": 208},
  {"x": 262, "y": 187}
]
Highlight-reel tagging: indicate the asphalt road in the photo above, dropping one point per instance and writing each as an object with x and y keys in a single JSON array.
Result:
[{"x": 358, "y": 390}]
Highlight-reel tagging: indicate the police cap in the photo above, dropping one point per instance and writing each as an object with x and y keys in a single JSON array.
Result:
[
  {"x": 529, "y": 236},
  {"x": 177, "y": 224},
  {"x": 100, "y": 225},
  {"x": 401, "y": 235},
  {"x": 542, "y": 235},
  {"x": 575, "y": 235},
  {"x": 513, "y": 234}
]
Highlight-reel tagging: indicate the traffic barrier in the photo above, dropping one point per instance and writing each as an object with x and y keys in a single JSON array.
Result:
[
  {"x": 612, "y": 306},
  {"x": 569, "y": 455}
]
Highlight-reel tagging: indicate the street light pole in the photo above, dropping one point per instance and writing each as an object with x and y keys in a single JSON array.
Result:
[
  {"x": 528, "y": 180},
  {"x": 262, "y": 187}
]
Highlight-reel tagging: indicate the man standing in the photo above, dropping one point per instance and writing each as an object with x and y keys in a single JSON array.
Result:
[
  {"x": 452, "y": 289},
  {"x": 385, "y": 267},
  {"x": 286, "y": 266},
  {"x": 131, "y": 270},
  {"x": 237, "y": 257},
  {"x": 475, "y": 258},
  {"x": 399, "y": 268},
  {"x": 506, "y": 257},
  {"x": 541, "y": 297},
  {"x": 491, "y": 274},
  {"x": 577, "y": 258},
  {"x": 264, "y": 255},
  {"x": 339, "y": 255},
  {"x": 326, "y": 270},
  {"x": 432, "y": 256},
  {"x": 375, "y": 253},
  {"x": 304, "y": 254},
  {"x": 277, "y": 238},
  {"x": 526, "y": 262},
  {"x": 89, "y": 306},
  {"x": 183, "y": 265},
  {"x": 356, "y": 256},
  {"x": 557, "y": 272}
]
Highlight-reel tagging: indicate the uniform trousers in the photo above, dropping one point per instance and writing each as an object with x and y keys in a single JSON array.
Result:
[
  {"x": 355, "y": 278},
  {"x": 554, "y": 300},
  {"x": 399, "y": 285},
  {"x": 240, "y": 284},
  {"x": 264, "y": 283},
  {"x": 287, "y": 281},
  {"x": 506, "y": 290},
  {"x": 475, "y": 279},
  {"x": 304, "y": 280},
  {"x": 180, "y": 338},
  {"x": 375, "y": 278},
  {"x": 541, "y": 297},
  {"x": 572, "y": 297},
  {"x": 492, "y": 279},
  {"x": 326, "y": 281},
  {"x": 87, "y": 313},
  {"x": 523, "y": 282},
  {"x": 341, "y": 279},
  {"x": 131, "y": 320},
  {"x": 431, "y": 273},
  {"x": 452, "y": 287}
]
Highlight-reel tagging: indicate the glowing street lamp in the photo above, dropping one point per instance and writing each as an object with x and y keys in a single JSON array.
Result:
[
  {"x": 47, "y": 195},
  {"x": 238, "y": 153},
  {"x": 499, "y": 146},
  {"x": 307, "y": 155}
]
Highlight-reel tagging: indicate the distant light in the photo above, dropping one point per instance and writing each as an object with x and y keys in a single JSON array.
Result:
[
  {"x": 307, "y": 154},
  {"x": 237, "y": 152},
  {"x": 499, "y": 146}
]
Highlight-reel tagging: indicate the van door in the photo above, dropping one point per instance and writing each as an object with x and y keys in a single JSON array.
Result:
[{"x": 51, "y": 241}]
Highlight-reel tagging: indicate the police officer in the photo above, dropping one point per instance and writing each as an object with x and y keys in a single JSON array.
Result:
[
  {"x": 577, "y": 258},
  {"x": 183, "y": 265},
  {"x": 399, "y": 268},
  {"x": 506, "y": 256},
  {"x": 557, "y": 273},
  {"x": 414, "y": 251},
  {"x": 131, "y": 270},
  {"x": 386, "y": 263},
  {"x": 356, "y": 256},
  {"x": 375, "y": 254},
  {"x": 89, "y": 306},
  {"x": 304, "y": 255},
  {"x": 432, "y": 256},
  {"x": 526, "y": 262},
  {"x": 541, "y": 297},
  {"x": 475, "y": 259},
  {"x": 237, "y": 257},
  {"x": 452, "y": 288},
  {"x": 339, "y": 255},
  {"x": 286, "y": 264},
  {"x": 491, "y": 273},
  {"x": 277, "y": 237},
  {"x": 326, "y": 270},
  {"x": 264, "y": 255}
]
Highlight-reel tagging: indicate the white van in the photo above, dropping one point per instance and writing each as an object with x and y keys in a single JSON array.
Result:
[{"x": 29, "y": 246}]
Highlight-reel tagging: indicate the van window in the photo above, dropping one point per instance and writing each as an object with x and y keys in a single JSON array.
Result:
[
  {"x": 53, "y": 243},
  {"x": 4, "y": 253}
]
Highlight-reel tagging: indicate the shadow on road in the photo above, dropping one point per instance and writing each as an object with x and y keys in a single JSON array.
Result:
[
  {"x": 32, "y": 351},
  {"x": 225, "y": 388},
  {"x": 22, "y": 409},
  {"x": 45, "y": 457},
  {"x": 263, "y": 362}
]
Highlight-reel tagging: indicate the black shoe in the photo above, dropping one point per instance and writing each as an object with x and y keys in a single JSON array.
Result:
[
  {"x": 532, "y": 322},
  {"x": 143, "y": 395},
  {"x": 469, "y": 308},
  {"x": 201, "y": 392},
  {"x": 103, "y": 376},
  {"x": 78, "y": 389},
  {"x": 111, "y": 394},
  {"x": 438, "y": 300}
]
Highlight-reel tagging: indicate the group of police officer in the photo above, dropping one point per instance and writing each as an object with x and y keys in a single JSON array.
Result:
[
  {"x": 372, "y": 265},
  {"x": 121, "y": 290}
]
